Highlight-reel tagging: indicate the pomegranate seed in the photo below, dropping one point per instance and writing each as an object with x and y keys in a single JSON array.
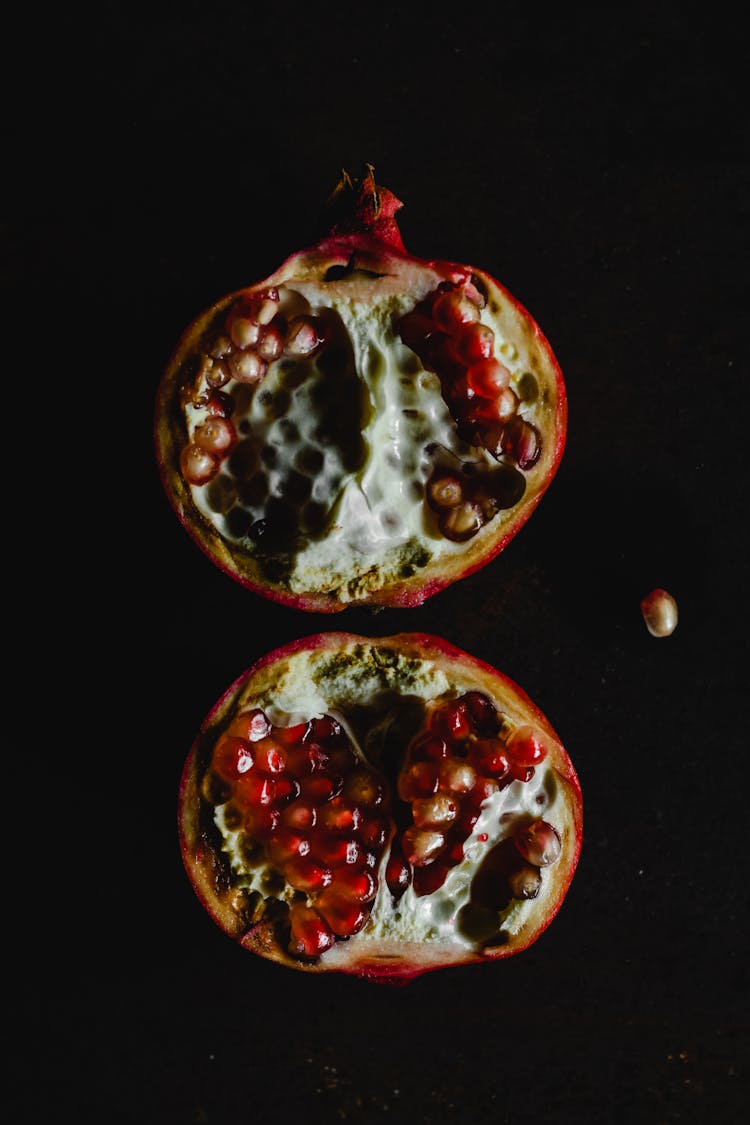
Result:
[
  {"x": 539, "y": 843},
  {"x": 265, "y": 305},
  {"x": 221, "y": 347},
  {"x": 197, "y": 465},
  {"x": 271, "y": 343},
  {"x": 300, "y": 761},
  {"x": 321, "y": 787},
  {"x": 486, "y": 787},
  {"x": 300, "y": 814},
  {"x": 501, "y": 408},
  {"x": 445, "y": 491},
  {"x": 337, "y": 816},
  {"x": 310, "y": 934},
  {"x": 422, "y": 845},
  {"x": 336, "y": 851},
  {"x": 414, "y": 329},
  {"x": 434, "y": 812},
  {"x": 397, "y": 872},
  {"x": 373, "y": 832},
  {"x": 232, "y": 757},
  {"x": 244, "y": 331},
  {"x": 453, "y": 309},
  {"x": 521, "y": 773},
  {"x": 473, "y": 343},
  {"x": 455, "y": 853},
  {"x": 247, "y": 367},
  {"x": 291, "y": 735},
  {"x": 216, "y": 436},
  {"x": 363, "y": 788},
  {"x": 526, "y": 746},
  {"x": 454, "y": 720},
  {"x": 427, "y": 880},
  {"x": 287, "y": 789},
  {"x": 269, "y": 757},
  {"x": 429, "y": 745},
  {"x": 659, "y": 611},
  {"x": 462, "y": 522},
  {"x": 420, "y": 780},
  {"x": 304, "y": 874},
  {"x": 252, "y": 725},
  {"x": 457, "y": 776},
  {"x": 491, "y": 757},
  {"x": 344, "y": 918},
  {"x": 304, "y": 337},
  {"x": 220, "y": 405},
  {"x": 482, "y": 711},
  {"x": 255, "y": 789},
  {"x": 522, "y": 442},
  {"x": 488, "y": 378},
  {"x": 217, "y": 376},
  {"x": 285, "y": 845},
  {"x": 261, "y": 821},
  {"x": 328, "y": 730},
  {"x": 358, "y": 886},
  {"x": 465, "y": 824},
  {"x": 526, "y": 882}
]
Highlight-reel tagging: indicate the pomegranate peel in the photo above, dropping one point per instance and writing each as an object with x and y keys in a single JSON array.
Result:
[
  {"x": 389, "y": 872},
  {"x": 363, "y": 425}
]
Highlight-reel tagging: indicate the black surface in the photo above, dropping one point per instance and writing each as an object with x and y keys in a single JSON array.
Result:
[{"x": 598, "y": 167}]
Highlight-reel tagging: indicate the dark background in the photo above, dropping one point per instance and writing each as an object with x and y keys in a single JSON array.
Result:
[{"x": 597, "y": 167}]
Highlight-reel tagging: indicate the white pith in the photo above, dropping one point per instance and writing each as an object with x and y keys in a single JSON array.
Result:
[
  {"x": 301, "y": 691},
  {"x": 381, "y": 521}
]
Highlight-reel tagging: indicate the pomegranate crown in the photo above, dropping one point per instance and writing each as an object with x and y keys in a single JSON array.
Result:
[{"x": 357, "y": 205}]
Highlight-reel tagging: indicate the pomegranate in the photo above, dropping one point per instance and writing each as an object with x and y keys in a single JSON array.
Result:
[
  {"x": 381, "y": 807},
  {"x": 363, "y": 426}
]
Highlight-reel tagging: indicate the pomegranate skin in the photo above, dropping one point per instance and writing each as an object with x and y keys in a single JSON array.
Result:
[
  {"x": 363, "y": 229},
  {"x": 387, "y": 956}
]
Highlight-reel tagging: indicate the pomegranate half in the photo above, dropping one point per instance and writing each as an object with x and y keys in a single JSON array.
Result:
[
  {"x": 362, "y": 426},
  {"x": 381, "y": 807}
]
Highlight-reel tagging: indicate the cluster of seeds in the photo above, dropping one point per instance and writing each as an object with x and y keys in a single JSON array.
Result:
[
  {"x": 446, "y": 332},
  {"x": 277, "y": 438},
  {"x": 309, "y": 807},
  {"x": 255, "y": 335},
  {"x": 466, "y": 753}
]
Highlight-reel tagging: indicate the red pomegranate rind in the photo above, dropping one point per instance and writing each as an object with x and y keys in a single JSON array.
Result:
[
  {"x": 378, "y": 955},
  {"x": 366, "y": 232}
]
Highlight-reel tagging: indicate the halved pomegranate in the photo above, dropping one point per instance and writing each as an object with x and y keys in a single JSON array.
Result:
[
  {"x": 362, "y": 426},
  {"x": 381, "y": 807}
]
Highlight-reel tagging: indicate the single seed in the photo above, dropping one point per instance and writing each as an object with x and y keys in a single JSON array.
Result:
[
  {"x": 539, "y": 843},
  {"x": 526, "y": 882},
  {"x": 304, "y": 337},
  {"x": 218, "y": 374},
  {"x": 444, "y": 492},
  {"x": 422, "y": 845},
  {"x": 247, "y": 367},
  {"x": 457, "y": 776},
  {"x": 659, "y": 610},
  {"x": 462, "y": 522},
  {"x": 244, "y": 332},
  {"x": 216, "y": 435},
  {"x": 198, "y": 465},
  {"x": 527, "y": 747},
  {"x": 434, "y": 812}
]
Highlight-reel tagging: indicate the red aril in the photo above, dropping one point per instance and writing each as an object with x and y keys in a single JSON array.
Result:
[{"x": 391, "y": 863}]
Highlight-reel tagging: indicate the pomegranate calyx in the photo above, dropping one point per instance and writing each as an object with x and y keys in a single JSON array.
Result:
[{"x": 360, "y": 206}]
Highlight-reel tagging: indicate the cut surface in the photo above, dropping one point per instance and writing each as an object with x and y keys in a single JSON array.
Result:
[
  {"x": 380, "y": 807},
  {"x": 362, "y": 426}
]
